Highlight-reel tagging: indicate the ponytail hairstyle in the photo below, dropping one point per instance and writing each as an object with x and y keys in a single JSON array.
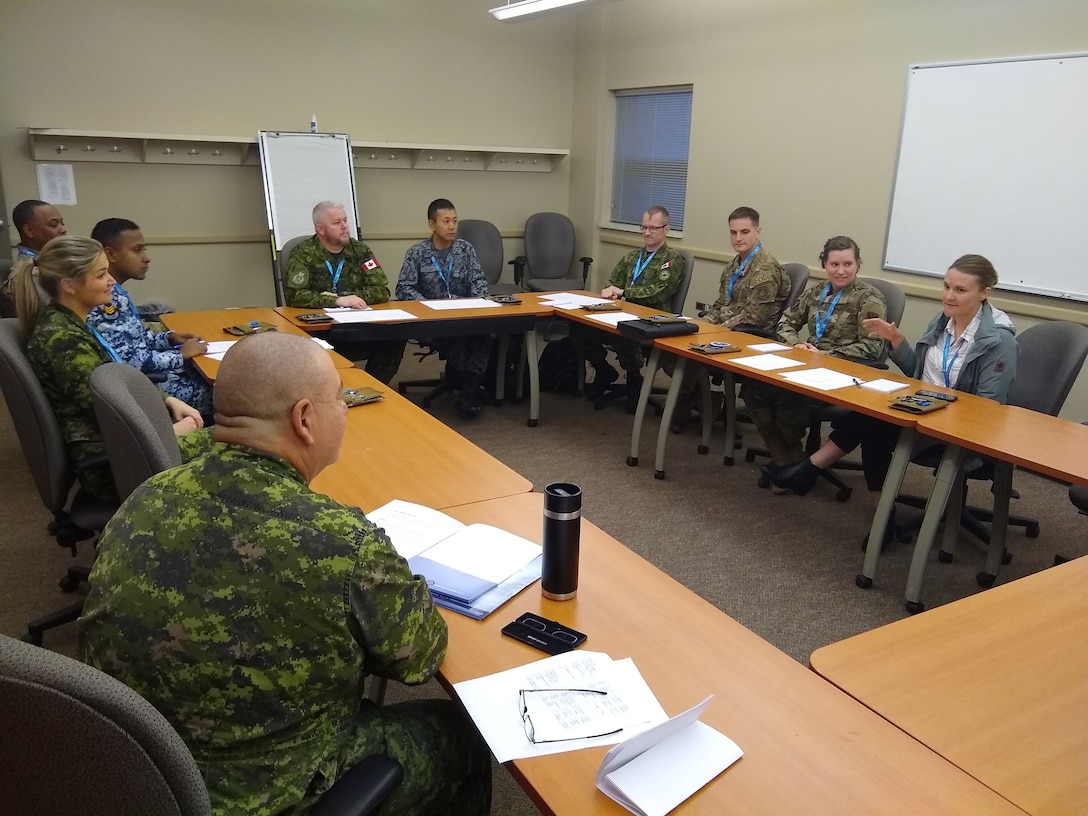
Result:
[
  {"x": 37, "y": 280},
  {"x": 978, "y": 267},
  {"x": 840, "y": 242}
]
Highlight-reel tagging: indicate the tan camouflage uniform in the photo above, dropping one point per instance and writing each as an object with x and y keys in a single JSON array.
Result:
[
  {"x": 248, "y": 609},
  {"x": 782, "y": 416}
]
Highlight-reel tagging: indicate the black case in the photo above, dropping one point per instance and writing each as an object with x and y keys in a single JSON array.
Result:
[{"x": 544, "y": 634}]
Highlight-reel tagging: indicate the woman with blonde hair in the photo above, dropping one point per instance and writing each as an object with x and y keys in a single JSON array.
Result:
[{"x": 54, "y": 293}]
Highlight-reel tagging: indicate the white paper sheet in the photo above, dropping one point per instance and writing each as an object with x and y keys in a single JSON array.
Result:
[
  {"x": 885, "y": 386},
  {"x": 492, "y": 701},
  {"x": 484, "y": 551},
  {"x": 768, "y": 347},
  {"x": 371, "y": 315},
  {"x": 613, "y": 318},
  {"x": 767, "y": 362},
  {"x": 823, "y": 379},
  {"x": 219, "y": 347},
  {"x": 569, "y": 300},
  {"x": 413, "y": 527},
  {"x": 325, "y": 344},
  {"x": 56, "y": 184},
  {"x": 461, "y": 303}
]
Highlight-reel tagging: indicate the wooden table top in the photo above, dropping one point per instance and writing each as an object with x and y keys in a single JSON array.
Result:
[
  {"x": 209, "y": 326},
  {"x": 808, "y": 748},
  {"x": 995, "y": 683},
  {"x": 529, "y": 306},
  {"x": 393, "y": 449},
  {"x": 1039, "y": 442}
]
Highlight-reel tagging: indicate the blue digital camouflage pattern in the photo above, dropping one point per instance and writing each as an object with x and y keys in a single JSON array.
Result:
[
  {"x": 248, "y": 609},
  {"x": 151, "y": 352}
]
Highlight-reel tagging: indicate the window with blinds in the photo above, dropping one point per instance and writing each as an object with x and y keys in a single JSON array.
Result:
[{"x": 653, "y": 128}]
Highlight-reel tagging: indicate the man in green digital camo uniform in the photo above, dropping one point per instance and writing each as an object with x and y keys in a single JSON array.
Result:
[
  {"x": 648, "y": 276},
  {"x": 334, "y": 269},
  {"x": 782, "y": 416},
  {"x": 751, "y": 295},
  {"x": 248, "y": 608}
]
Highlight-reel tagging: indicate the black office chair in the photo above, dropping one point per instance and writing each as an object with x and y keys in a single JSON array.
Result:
[
  {"x": 1051, "y": 357},
  {"x": 620, "y": 390},
  {"x": 46, "y": 455},
  {"x": 136, "y": 425},
  {"x": 549, "y": 255},
  {"x": 280, "y": 265},
  {"x": 487, "y": 241},
  {"x": 77, "y": 740},
  {"x": 1078, "y": 495}
]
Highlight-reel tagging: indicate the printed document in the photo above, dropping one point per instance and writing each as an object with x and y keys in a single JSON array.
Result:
[{"x": 461, "y": 303}]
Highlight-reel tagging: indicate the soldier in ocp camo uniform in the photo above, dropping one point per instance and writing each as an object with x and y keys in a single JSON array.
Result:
[
  {"x": 248, "y": 609},
  {"x": 154, "y": 353},
  {"x": 833, "y": 312},
  {"x": 334, "y": 269},
  {"x": 648, "y": 276}
]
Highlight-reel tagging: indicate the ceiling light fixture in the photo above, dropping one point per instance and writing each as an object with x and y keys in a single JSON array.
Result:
[{"x": 511, "y": 10}]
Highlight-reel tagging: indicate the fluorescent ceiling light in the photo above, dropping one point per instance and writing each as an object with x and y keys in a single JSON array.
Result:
[{"x": 511, "y": 10}]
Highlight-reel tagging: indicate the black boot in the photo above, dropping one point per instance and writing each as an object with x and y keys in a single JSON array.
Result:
[
  {"x": 799, "y": 477},
  {"x": 634, "y": 389},
  {"x": 603, "y": 376},
  {"x": 469, "y": 401}
]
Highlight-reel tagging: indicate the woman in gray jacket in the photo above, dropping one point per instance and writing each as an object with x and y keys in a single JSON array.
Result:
[{"x": 969, "y": 346}]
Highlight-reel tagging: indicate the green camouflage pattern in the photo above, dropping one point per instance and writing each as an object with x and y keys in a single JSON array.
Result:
[
  {"x": 759, "y": 295},
  {"x": 781, "y": 416},
  {"x": 307, "y": 278},
  {"x": 658, "y": 282},
  {"x": 248, "y": 609},
  {"x": 63, "y": 353}
]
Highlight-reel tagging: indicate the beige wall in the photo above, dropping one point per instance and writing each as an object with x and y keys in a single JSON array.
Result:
[
  {"x": 413, "y": 71},
  {"x": 796, "y": 111}
]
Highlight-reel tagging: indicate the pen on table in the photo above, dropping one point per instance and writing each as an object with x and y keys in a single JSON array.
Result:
[
  {"x": 536, "y": 640},
  {"x": 857, "y": 382}
]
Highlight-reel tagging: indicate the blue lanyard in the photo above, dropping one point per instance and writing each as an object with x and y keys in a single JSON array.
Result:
[
  {"x": 336, "y": 274},
  {"x": 946, "y": 364},
  {"x": 740, "y": 269},
  {"x": 102, "y": 340},
  {"x": 640, "y": 266},
  {"x": 821, "y": 324},
  {"x": 446, "y": 275},
  {"x": 27, "y": 252}
]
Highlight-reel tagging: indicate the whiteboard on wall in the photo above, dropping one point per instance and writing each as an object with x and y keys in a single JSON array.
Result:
[
  {"x": 993, "y": 160},
  {"x": 301, "y": 169}
]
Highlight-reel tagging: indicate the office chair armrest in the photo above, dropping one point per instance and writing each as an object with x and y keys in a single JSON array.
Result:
[
  {"x": 586, "y": 262},
  {"x": 519, "y": 263},
  {"x": 758, "y": 332},
  {"x": 362, "y": 789},
  {"x": 865, "y": 361},
  {"x": 87, "y": 462},
  {"x": 155, "y": 376}
]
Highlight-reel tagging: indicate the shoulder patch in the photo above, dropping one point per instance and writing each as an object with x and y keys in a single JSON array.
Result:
[
  {"x": 370, "y": 264},
  {"x": 666, "y": 265},
  {"x": 109, "y": 311},
  {"x": 999, "y": 366},
  {"x": 299, "y": 278}
]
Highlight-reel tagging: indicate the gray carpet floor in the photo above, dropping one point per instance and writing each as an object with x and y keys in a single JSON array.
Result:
[{"x": 782, "y": 565}]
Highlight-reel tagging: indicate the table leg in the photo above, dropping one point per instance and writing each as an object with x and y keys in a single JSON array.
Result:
[
  {"x": 953, "y": 511},
  {"x": 999, "y": 529},
  {"x": 707, "y": 419},
  {"x": 729, "y": 385},
  {"x": 648, "y": 375},
  {"x": 666, "y": 415},
  {"x": 500, "y": 369},
  {"x": 947, "y": 473},
  {"x": 532, "y": 357},
  {"x": 892, "y": 482}
]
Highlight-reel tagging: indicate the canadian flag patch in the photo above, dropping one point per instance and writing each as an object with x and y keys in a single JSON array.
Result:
[
  {"x": 370, "y": 264},
  {"x": 666, "y": 265}
]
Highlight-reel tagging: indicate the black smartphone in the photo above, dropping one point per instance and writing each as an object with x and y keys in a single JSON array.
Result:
[{"x": 315, "y": 317}]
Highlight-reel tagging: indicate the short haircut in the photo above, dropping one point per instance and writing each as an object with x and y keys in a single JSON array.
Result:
[
  {"x": 108, "y": 231},
  {"x": 321, "y": 207},
  {"x": 657, "y": 209},
  {"x": 265, "y": 374},
  {"x": 840, "y": 242},
  {"x": 439, "y": 204},
  {"x": 745, "y": 212},
  {"x": 977, "y": 266},
  {"x": 23, "y": 213}
]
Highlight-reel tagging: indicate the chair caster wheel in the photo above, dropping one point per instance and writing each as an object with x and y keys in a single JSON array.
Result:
[
  {"x": 1006, "y": 557},
  {"x": 532, "y": 422},
  {"x": 727, "y": 461},
  {"x": 33, "y": 638},
  {"x": 68, "y": 584},
  {"x": 632, "y": 461},
  {"x": 703, "y": 450},
  {"x": 914, "y": 607},
  {"x": 1032, "y": 531},
  {"x": 863, "y": 581},
  {"x": 844, "y": 494},
  {"x": 749, "y": 456},
  {"x": 945, "y": 557},
  {"x": 985, "y": 580},
  {"x": 659, "y": 474},
  {"x": 764, "y": 482}
]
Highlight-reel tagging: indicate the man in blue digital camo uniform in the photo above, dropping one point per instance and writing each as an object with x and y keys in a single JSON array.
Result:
[
  {"x": 163, "y": 356},
  {"x": 334, "y": 269},
  {"x": 648, "y": 276},
  {"x": 445, "y": 266},
  {"x": 248, "y": 609}
]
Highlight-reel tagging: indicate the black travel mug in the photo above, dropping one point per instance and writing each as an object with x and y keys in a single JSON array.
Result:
[{"x": 562, "y": 534}]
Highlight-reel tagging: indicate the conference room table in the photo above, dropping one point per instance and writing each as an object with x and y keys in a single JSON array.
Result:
[
  {"x": 209, "y": 325},
  {"x": 808, "y": 748},
  {"x": 426, "y": 322},
  {"x": 995, "y": 683}
]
